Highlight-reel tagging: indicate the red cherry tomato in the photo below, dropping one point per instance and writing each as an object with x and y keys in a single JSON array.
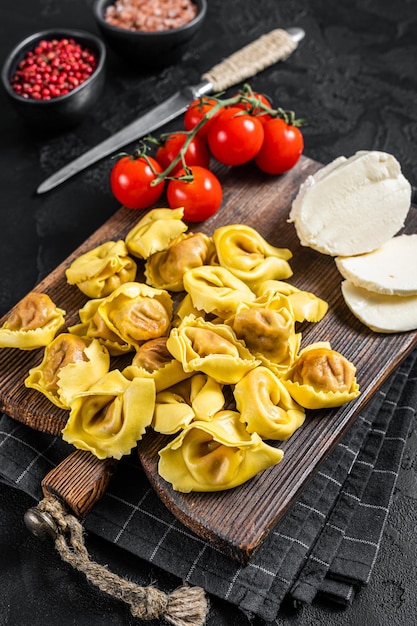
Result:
[
  {"x": 130, "y": 182},
  {"x": 195, "y": 113},
  {"x": 261, "y": 115},
  {"x": 282, "y": 147},
  {"x": 200, "y": 198},
  {"x": 235, "y": 138},
  {"x": 196, "y": 153}
]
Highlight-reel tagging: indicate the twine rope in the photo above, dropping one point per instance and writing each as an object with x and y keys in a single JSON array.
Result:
[
  {"x": 185, "y": 606},
  {"x": 257, "y": 56}
]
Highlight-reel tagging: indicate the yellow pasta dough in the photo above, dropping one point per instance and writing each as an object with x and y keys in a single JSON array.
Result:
[
  {"x": 165, "y": 269},
  {"x": 306, "y": 306},
  {"x": 153, "y": 360},
  {"x": 197, "y": 398},
  {"x": 100, "y": 271},
  {"x": 32, "y": 323},
  {"x": 321, "y": 378},
  {"x": 266, "y": 406},
  {"x": 155, "y": 231},
  {"x": 215, "y": 455},
  {"x": 185, "y": 308},
  {"x": 243, "y": 251},
  {"x": 172, "y": 411},
  {"x": 70, "y": 365},
  {"x": 210, "y": 348},
  {"x": 136, "y": 313},
  {"x": 132, "y": 314},
  {"x": 112, "y": 416},
  {"x": 93, "y": 325},
  {"x": 216, "y": 290},
  {"x": 267, "y": 327}
]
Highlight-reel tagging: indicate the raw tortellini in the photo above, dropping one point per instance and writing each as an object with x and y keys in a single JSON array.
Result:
[
  {"x": 210, "y": 348},
  {"x": 321, "y": 378},
  {"x": 216, "y": 290},
  {"x": 111, "y": 416},
  {"x": 137, "y": 313},
  {"x": 32, "y": 323},
  {"x": 93, "y": 325},
  {"x": 215, "y": 455},
  {"x": 222, "y": 371},
  {"x": 153, "y": 360},
  {"x": 266, "y": 406},
  {"x": 100, "y": 271},
  {"x": 267, "y": 327},
  {"x": 155, "y": 231},
  {"x": 306, "y": 306},
  {"x": 166, "y": 269},
  {"x": 132, "y": 314},
  {"x": 197, "y": 398},
  {"x": 243, "y": 251},
  {"x": 70, "y": 365}
]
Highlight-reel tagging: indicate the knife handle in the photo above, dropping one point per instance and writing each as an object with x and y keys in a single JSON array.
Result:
[{"x": 253, "y": 58}]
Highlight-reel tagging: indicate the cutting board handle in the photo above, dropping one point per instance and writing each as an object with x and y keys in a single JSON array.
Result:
[
  {"x": 76, "y": 484},
  {"x": 79, "y": 481}
]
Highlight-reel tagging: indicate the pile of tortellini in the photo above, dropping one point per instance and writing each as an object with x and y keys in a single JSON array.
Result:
[{"x": 214, "y": 359}]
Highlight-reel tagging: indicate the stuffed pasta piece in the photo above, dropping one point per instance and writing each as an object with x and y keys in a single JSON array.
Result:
[
  {"x": 265, "y": 405},
  {"x": 136, "y": 313},
  {"x": 94, "y": 326},
  {"x": 153, "y": 360},
  {"x": 100, "y": 271},
  {"x": 243, "y": 251},
  {"x": 215, "y": 455},
  {"x": 306, "y": 306},
  {"x": 267, "y": 327},
  {"x": 216, "y": 290},
  {"x": 166, "y": 269},
  {"x": 197, "y": 398},
  {"x": 70, "y": 365},
  {"x": 132, "y": 314},
  {"x": 213, "y": 349},
  {"x": 155, "y": 231},
  {"x": 32, "y": 323},
  {"x": 112, "y": 416},
  {"x": 321, "y": 378}
]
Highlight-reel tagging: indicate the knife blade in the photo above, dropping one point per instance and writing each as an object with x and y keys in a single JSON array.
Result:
[{"x": 245, "y": 63}]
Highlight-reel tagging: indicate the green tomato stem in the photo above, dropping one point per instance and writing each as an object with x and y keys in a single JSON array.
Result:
[{"x": 246, "y": 96}]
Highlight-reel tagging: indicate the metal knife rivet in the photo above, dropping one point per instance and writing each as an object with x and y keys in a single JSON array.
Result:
[{"x": 40, "y": 523}]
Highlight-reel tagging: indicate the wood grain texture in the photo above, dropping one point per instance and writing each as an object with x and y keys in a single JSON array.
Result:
[
  {"x": 237, "y": 521},
  {"x": 79, "y": 481}
]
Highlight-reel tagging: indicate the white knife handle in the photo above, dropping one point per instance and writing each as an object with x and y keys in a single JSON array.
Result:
[{"x": 253, "y": 58}]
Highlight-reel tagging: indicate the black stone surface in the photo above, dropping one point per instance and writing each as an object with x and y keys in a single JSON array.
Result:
[{"x": 354, "y": 80}]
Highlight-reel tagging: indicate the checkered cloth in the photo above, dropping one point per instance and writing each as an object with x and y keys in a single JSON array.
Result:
[{"x": 326, "y": 544}]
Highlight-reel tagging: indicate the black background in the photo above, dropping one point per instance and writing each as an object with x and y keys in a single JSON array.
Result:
[{"x": 354, "y": 79}]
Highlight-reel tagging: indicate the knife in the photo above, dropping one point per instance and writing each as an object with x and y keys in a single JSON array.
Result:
[{"x": 245, "y": 63}]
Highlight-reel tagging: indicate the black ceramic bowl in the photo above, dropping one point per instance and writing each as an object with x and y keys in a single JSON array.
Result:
[
  {"x": 62, "y": 111},
  {"x": 148, "y": 49}
]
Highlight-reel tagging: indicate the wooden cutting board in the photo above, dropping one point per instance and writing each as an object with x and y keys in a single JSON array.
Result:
[{"x": 237, "y": 521}]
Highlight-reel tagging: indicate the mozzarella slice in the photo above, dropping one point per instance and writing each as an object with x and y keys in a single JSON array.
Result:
[
  {"x": 390, "y": 269},
  {"x": 352, "y": 206},
  {"x": 381, "y": 313}
]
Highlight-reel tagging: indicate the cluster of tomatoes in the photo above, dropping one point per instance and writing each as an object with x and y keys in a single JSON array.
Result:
[{"x": 233, "y": 132}]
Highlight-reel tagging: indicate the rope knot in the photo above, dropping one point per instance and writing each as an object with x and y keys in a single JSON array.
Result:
[
  {"x": 148, "y": 603},
  {"x": 185, "y": 606}
]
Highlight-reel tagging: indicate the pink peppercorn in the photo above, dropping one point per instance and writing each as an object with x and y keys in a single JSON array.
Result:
[{"x": 53, "y": 68}]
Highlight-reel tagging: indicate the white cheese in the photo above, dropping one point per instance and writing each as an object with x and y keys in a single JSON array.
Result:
[
  {"x": 381, "y": 313},
  {"x": 353, "y": 205},
  {"x": 390, "y": 269}
]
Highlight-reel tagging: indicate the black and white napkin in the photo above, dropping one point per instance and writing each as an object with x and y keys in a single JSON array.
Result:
[{"x": 325, "y": 545}]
